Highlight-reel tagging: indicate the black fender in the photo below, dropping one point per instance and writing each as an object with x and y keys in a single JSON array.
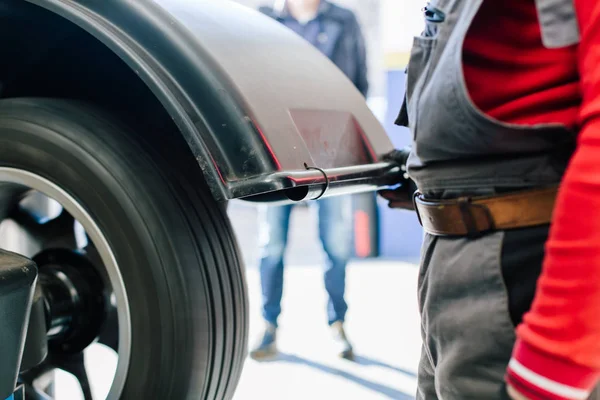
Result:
[{"x": 266, "y": 115}]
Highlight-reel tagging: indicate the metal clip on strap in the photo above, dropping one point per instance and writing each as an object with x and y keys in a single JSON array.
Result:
[{"x": 324, "y": 175}]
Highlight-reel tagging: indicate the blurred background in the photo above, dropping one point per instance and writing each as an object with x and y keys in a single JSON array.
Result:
[{"x": 382, "y": 321}]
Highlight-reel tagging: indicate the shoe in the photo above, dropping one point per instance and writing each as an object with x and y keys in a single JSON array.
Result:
[
  {"x": 343, "y": 346},
  {"x": 266, "y": 348}
]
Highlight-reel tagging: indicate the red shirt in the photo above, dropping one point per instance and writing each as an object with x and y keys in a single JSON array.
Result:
[{"x": 512, "y": 77}]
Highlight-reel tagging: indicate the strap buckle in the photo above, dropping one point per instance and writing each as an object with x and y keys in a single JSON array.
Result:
[{"x": 466, "y": 206}]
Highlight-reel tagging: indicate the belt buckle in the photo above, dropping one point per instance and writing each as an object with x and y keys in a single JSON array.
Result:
[{"x": 465, "y": 205}]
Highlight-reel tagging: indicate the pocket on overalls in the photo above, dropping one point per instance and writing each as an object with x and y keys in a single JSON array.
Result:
[
  {"x": 558, "y": 23},
  {"x": 419, "y": 60},
  {"x": 420, "y": 56}
]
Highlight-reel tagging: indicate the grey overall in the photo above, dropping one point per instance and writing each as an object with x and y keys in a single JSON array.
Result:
[{"x": 472, "y": 292}]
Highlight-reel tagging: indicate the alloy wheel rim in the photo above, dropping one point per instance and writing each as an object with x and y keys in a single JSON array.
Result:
[{"x": 31, "y": 181}]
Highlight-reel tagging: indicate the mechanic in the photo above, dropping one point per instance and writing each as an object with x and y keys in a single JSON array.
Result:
[
  {"x": 336, "y": 33},
  {"x": 502, "y": 98}
]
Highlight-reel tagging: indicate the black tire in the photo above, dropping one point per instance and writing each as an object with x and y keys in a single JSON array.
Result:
[{"x": 172, "y": 241}]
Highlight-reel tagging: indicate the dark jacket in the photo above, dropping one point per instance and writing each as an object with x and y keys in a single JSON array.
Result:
[{"x": 345, "y": 41}]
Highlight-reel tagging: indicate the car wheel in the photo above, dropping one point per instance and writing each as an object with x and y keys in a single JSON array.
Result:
[{"x": 138, "y": 262}]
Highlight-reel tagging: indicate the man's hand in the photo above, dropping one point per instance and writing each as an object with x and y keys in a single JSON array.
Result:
[{"x": 402, "y": 197}]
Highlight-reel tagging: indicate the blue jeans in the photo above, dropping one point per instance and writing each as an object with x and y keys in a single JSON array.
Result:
[{"x": 335, "y": 232}]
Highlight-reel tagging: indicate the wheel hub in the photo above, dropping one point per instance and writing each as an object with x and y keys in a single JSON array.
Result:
[{"x": 74, "y": 297}]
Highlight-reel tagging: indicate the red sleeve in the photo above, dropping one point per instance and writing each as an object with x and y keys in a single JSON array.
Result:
[{"x": 557, "y": 355}]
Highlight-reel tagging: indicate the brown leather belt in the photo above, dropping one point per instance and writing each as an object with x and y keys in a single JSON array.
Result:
[{"x": 477, "y": 215}]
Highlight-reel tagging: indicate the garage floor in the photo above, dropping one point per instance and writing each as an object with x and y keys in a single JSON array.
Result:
[{"x": 382, "y": 324}]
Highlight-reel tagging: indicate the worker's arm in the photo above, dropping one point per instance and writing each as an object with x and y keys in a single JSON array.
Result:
[{"x": 557, "y": 355}]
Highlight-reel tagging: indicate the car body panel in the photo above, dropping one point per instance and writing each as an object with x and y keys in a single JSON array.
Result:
[{"x": 261, "y": 109}]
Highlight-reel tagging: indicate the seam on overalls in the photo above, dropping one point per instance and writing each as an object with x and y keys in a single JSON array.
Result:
[
  {"x": 506, "y": 297},
  {"x": 426, "y": 264},
  {"x": 469, "y": 183}
]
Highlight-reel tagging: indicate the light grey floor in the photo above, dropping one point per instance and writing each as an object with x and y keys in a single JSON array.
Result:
[{"x": 382, "y": 324}]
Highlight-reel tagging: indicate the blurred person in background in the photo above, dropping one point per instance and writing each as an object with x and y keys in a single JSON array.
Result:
[{"x": 336, "y": 33}]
